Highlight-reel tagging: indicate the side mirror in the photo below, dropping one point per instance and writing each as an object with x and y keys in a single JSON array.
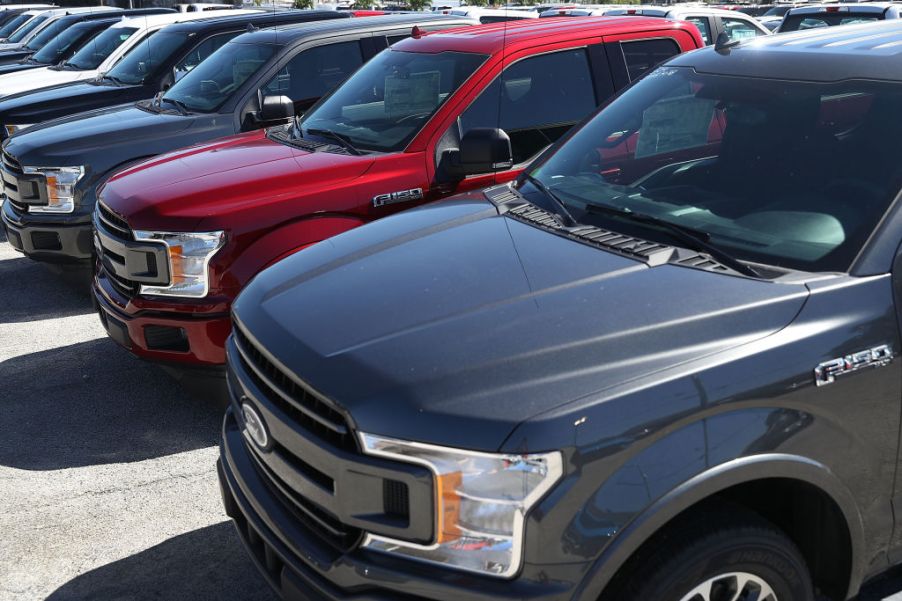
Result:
[
  {"x": 482, "y": 150},
  {"x": 276, "y": 108}
]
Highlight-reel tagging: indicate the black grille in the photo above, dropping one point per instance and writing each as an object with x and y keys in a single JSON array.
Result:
[
  {"x": 396, "y": 499},
  {"x": 114, "y": 222},
  {"x": 117, "y": 227},
  {"x": 46, "y": 241},
  {"x": 325, "y": 525},
  {"x": 305, "y": 407},
  {"x": 12, "y": 171},
  {"x": 166, "y": 338}
]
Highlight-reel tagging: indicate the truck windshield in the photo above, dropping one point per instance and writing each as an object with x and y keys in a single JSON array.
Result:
[
  {"x": 13, "y": 25},
  {"x": 813, "y": 21},
  {"x": 206, "y": 87},
  {"x": 47, "y": 34},
  {"x": 388, "y": 100},
  {"x": 59, "y": 46},
  {"x": 790, "y": 174},
  {"x": 21, "y": 33},
  {"x": 92, "y": 54},
  {"x": 145, "y": 58}
]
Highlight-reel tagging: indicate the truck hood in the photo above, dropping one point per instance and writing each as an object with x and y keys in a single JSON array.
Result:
[
  {"x": 452, "y": 324},
  {"x": 64, "y": 99},
  {"x": 33, "y": 79},
  {"x": 214, "y": 180},
  {"x": 102, "y": 138}
]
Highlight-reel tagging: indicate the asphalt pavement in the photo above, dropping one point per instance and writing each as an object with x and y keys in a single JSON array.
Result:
[{"x": 107, "y": 467}]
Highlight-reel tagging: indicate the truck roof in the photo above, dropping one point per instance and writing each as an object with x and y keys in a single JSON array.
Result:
[
  {"x": 200, "y": 22},
  {"x": 153, "y": 21},
  {"x": 492, "y": 37},
  {"x": 866, "y": 51},
  {"x": 289, "y": 33}
]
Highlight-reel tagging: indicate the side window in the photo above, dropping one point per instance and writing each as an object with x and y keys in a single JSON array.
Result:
[
  {"x": 738, "y": 29},
  {"x": 536, "y": 100},
  {"x": 314, "y": 72},
  {"x": 704, "y": 26},
  {"x": 643, "y": 55},
  {"x": 396, "y": 38},
  {"x": 200, "y": 52}
]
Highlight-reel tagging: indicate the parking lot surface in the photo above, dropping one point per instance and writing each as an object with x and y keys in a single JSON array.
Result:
[{"x": 107, "y": 467}]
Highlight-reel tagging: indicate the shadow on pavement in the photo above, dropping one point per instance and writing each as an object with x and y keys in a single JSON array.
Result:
[
  {"x": 208, "y": 563},
  {"x": 92, "y": 403},
  {"x": 32, "y": 292}
]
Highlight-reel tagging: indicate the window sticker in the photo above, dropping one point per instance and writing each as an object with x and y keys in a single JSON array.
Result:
[
  {"x": 674, "y": 124},
  {"x": 413, "y": 93}
]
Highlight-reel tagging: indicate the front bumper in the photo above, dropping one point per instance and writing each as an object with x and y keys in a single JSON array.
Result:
[
  {"x": 186, "y": 338},
  {"x": 269, "y": 495},
  {"x": 298, "y": 568},
  {"x": 50, "y": 242}
]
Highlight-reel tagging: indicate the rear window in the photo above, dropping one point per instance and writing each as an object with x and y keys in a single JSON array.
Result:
[{"x": 800, "y": 22}]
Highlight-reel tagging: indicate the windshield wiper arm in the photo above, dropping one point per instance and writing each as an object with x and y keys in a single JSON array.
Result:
[
  {"x": 113, "y": 79},
  {"x": 183, "y": 109},
  {"x": 565, "y": 213},
  {"x": 695, "y": 239},
  {"x": 343, "y": 140}
]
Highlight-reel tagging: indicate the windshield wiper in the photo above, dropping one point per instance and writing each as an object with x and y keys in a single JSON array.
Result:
[
  {"x": 183, "y": 109},
  {"x": 113, "y": 79},
  {"x": 695, "y": 239},
  {"x": 343, "y": 140},
  {"x": 554, "y": 198}
]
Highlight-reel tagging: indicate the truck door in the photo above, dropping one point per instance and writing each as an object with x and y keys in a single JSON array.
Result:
[{"x": 536, "y": 100}]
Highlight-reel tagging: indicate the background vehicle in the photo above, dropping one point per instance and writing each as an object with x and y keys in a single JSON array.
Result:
[
  {"x": 392, "y": 136},
  {"x": 259, "y": 79},
  {"x": 154, "y": 66},
  {"x": 828, "y": 15},
  {"x": 8, "y": 12},
  {"x": 711, "y": 22},
  {"x": 492, "y": 15},
  {"x": 584, "y": 11},
  {"x": 688, "y": 387},
  {"x": 62, "y": 26},
  {"x": 46, "y": 19},
  {"x": 104, "y": 53}
]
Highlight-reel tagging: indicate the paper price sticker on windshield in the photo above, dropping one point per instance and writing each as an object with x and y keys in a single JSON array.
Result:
[{"x": 415, "y": 93}]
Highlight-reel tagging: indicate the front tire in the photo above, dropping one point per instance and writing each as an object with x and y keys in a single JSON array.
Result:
[{"x": 737, "y": 556}]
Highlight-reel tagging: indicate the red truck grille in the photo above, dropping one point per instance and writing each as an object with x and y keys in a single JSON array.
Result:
[{"x": 118, "y": 227}]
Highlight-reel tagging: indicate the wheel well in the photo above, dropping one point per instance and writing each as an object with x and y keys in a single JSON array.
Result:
[{"x": 804, "y": 512}]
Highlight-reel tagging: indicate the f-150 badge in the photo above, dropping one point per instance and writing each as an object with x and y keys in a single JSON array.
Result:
[
  {"x": 396, "y": 197},
  {"x": 826, "y": 372}
]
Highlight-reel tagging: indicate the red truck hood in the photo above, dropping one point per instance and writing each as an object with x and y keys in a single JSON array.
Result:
[{"x": 179, "y": 190}]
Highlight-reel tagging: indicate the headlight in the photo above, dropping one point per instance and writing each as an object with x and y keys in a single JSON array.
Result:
[
  {"x": 11, "y": 129},
  {"x": 189, "y": 259},
  {"x": 60, "y": 182},
  {"x": 481, "y": 504}
]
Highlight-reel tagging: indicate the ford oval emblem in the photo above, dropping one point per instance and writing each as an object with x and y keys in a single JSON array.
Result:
[{"x": 254, "y": 428}]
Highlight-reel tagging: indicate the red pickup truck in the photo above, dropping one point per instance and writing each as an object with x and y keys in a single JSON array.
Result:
[{"x": 179, "y": 236}]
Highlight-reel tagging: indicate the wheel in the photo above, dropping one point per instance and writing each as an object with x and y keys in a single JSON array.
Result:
[{"x": 737, "y": 556}]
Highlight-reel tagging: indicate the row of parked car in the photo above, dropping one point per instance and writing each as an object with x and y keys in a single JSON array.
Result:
[{"x": 639, "y": 352}]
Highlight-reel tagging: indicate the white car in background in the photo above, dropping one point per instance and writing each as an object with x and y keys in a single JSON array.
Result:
[
  {"x": 711, "y": 22},
  {"x": 42, "y": 19},
  {"x": 103, "y": 52},
  {"x": 492, "y": 15}
]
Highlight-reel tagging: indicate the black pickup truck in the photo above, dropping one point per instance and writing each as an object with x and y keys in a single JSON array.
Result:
[
  {"x": 259, "y": 79},
  {"x": 660, "y": 366}
]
